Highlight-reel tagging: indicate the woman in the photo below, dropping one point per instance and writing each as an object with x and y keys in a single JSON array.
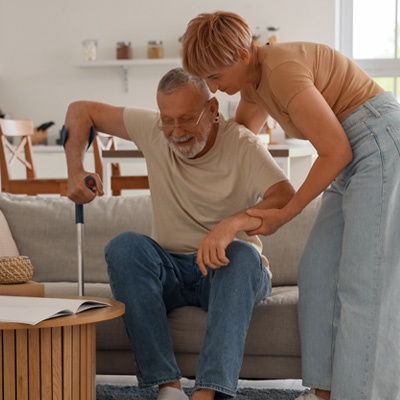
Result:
[{"x": 349, "y": 274}]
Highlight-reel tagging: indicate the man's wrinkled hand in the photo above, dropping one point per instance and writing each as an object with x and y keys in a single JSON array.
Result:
[
  {"x": 79, "y": 193},
  {"x": 211, "y": 252}
]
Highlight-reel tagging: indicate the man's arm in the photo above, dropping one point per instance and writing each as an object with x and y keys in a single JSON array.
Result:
[
  {"x": 80, "y": 117},
  {"x": 211, "y": 252}
]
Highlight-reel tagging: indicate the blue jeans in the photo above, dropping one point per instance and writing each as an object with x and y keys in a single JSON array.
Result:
[
  {"x": 151, "y": 282},
  {"x": 349, "y": 274}
]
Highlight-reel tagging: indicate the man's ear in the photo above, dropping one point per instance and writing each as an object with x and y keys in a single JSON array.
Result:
[
  {"x": 244, "y": 55},
  {"x": 214, "y": 106}
]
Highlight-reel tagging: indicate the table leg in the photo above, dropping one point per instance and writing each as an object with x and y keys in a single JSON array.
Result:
[{"x": 48, "y": 363}]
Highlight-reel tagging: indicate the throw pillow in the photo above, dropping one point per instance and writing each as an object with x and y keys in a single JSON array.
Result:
[{"x": 7, "y": 244}]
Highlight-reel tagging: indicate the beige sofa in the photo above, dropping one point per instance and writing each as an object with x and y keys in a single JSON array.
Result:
[{"x": 44, "y": 229}]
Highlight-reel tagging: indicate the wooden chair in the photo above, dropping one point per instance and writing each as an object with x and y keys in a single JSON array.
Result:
[
  {"x": 119, "y": 182},
  {"x": 22, "y": 131}
]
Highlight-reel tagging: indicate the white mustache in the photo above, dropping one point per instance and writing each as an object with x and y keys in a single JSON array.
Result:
[{"x": 180, "y": 139}]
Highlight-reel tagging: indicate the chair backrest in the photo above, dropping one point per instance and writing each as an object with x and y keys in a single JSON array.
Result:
[
  {"x": 102, "y": 142},
  {"x": 21, "y": 132},
  {"x": 119, "y": 182}
]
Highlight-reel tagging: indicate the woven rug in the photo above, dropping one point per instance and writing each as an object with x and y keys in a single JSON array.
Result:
[{"x": 132, "y": 392}]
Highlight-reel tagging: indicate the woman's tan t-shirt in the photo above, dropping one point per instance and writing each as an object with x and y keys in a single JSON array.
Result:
[{"x": 289, "y": 68}]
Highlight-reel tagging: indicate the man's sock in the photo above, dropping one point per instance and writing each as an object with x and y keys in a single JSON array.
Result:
[{"x": 171, "y": 393}]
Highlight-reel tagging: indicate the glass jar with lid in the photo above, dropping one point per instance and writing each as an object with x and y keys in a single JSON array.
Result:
[
  {"x": 124, "y": 51},
  {"x": 155, "y": 49},
  {"x": 272, "y": 34},
  {"x": 89, "y": 49}
]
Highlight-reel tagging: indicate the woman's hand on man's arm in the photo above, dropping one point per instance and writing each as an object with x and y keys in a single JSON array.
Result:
[{"x": 211, "y": 252}]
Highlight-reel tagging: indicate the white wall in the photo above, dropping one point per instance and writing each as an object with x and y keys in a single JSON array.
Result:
[{"x": 40, "y": 46}]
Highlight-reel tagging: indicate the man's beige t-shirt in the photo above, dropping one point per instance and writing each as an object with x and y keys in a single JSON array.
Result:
[
  {"x": 191, "y": 196},
  {"x": 289, "y": 68}
]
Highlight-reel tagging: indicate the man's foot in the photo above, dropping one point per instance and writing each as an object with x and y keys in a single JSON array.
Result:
[
  {"x": 310, "y": 395},
  {"x": 171, "y": 393}
]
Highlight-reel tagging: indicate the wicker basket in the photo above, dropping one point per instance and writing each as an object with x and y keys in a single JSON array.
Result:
[{"x": 16, "y": 269}]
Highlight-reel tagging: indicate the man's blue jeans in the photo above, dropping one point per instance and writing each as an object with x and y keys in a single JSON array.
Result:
[
  {"x": 151, "y": 282},
  {"x": 349, "y": 275}
]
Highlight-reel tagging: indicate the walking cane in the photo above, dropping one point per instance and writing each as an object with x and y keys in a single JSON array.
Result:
[{"x": 79, "y": 219}]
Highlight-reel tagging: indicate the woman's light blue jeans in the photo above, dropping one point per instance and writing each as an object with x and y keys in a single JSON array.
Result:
[
  {"x": 349, "y": 274},
  {"x": 151, "y": 282}
]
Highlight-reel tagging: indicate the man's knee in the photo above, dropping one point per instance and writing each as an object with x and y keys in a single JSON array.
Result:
[
  {"x": 244, "y": 256},
  {"x": 119, "y": 247},
  {"x": 240, "y": 249}
]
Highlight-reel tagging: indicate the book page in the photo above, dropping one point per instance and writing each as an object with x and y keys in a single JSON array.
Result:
[{"x": 32, "y": 310}]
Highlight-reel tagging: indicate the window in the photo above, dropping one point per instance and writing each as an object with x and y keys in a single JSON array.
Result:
[{"x": 369, "y": 33}]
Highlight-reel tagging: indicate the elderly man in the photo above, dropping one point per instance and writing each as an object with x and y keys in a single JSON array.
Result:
[{"x": 204, "y": 173}]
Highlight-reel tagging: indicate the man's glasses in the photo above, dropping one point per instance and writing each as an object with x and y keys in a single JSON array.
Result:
[{"x": 189, "y": 126}]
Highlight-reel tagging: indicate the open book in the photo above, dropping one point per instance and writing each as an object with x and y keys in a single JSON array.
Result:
[{"x": 32, "y": 310}]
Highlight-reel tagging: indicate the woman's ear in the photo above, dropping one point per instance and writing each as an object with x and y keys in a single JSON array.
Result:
[{"x": 244, "y": 55}]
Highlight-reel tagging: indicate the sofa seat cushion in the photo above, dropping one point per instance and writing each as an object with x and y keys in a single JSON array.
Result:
[{"x": 273, "y": 329}]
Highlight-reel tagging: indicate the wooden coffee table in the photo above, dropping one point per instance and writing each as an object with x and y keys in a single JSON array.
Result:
[{"x": 55, "y": 359}]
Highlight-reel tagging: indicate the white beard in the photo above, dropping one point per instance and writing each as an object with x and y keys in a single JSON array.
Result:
[{"x": 188, "y": 151}]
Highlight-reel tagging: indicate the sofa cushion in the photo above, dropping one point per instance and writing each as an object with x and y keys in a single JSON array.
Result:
[
  {"x": 273, "y": 329},
  {"x": 283, "y": 249},
  {"x": 7, "y": 243},
  {"x": 50, "y": 221},
  {"x": 34, "y": 219}
]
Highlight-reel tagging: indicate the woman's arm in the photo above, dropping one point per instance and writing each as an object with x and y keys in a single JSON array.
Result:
[
  {"x": 316, "y": 121},
  {"x": 250, "y": 115}
]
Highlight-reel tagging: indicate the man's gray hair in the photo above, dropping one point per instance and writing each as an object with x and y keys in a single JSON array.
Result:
[{"x": 177, "y": 78}]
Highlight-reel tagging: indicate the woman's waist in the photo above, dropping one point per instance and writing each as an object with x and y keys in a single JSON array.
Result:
[{"x": 373, "y": 108}]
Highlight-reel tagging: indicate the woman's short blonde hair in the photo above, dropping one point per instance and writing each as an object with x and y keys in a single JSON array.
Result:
[{"x": 213, "y": 41}]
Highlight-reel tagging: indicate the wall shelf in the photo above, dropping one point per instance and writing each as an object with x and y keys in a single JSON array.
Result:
[{"x": 126, "y": 64}]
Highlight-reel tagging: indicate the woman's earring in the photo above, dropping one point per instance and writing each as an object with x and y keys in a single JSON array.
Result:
[{"x": 216, "y": 119}]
